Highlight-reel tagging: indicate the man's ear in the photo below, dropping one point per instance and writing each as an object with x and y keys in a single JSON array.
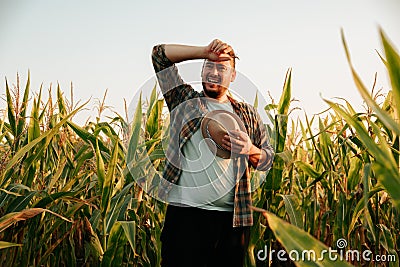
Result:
[{"x": 233, "y": 75}]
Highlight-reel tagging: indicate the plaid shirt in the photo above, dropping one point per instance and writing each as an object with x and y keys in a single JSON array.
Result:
[{"x": 187, "y": 108}]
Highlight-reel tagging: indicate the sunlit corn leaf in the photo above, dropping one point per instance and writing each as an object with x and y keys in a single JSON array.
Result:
[
  {"x": 33, "y": 127},
  {"x": 388, "y": 173},
  {"x": 284, "y": 101},
  {"x": 11, "y": 112},
  {"x": 314, "y": 142},
  {"x": 153, "y": 122},
  {"x": 108, "y": 181},
  {"x": 274, "y": 177},
  {"x": 325, "y": 144},
  {"x": 87, "y": 136},
  {"x": 354, "y": 173},
  {"x": 255, "y": 102},
  {"x": 101, "y": 173},
  {"x": 62, "y": 108},
  {"x": 24, "y": 104},
  {"x": 152, "y": 100},
  {"x": 308, "y": 169},
  {"x": 383, "y": 116},
  {"x": 393, "y": 67},
  {"x": 136, "y": 128},
  {"x": 285, "y": 155},
  {"x": 13, "y": 217},
  {"x": 47, "y": 136},
  {"x": 293, "y": 210},
  {"x": 130, "y": 232},
  {"x": 296, "y": 239},
  {"x": 4, "y": 244}
]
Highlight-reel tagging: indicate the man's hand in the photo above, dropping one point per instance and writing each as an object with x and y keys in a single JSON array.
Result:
[
  {"x": 218, "y": 51},
  {"x": 239, "y": 142}
]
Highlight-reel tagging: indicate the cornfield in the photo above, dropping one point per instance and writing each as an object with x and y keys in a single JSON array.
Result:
[{"x": 73, "y": 195}]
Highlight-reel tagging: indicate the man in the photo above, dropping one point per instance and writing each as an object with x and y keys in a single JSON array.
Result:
[{"x": 208, "y": 218}]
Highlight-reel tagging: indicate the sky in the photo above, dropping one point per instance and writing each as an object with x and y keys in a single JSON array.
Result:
[{"x": 106, "y": 45}]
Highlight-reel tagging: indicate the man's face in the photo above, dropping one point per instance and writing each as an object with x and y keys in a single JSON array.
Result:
[{"x": 216, "y": 77}]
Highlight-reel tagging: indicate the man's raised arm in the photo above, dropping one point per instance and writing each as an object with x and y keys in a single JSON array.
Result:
[
  {"x": 216, "y": 51},
  {"x": 174, "y": 89}
]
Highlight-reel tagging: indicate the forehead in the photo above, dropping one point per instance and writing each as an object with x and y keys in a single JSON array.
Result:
[{"x": 227, "y": 63}]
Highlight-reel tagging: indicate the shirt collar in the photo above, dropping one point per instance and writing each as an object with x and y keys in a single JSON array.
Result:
[{"x": 234, "y": 102}]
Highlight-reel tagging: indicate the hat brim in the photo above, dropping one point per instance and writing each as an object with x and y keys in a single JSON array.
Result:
[{"x": 215, "y": 145}]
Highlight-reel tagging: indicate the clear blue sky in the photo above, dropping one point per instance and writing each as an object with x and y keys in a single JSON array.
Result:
[{"x": 107, "y": 44}]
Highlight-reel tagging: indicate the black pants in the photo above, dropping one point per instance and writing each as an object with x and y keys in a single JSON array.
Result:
[{"x": 194, "y": 237}]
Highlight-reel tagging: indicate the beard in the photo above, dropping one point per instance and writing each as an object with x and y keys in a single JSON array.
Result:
[{"x": 216, "y": 93}]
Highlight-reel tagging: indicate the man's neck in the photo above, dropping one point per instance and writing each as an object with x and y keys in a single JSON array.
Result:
[{"x": 221, "y": 99}]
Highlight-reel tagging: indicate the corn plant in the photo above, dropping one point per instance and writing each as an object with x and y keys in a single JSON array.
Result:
[
  {"x": 77, "y": 195},
  {"x": 67, "y": 197},
  {"x": 342, "y": 180}
]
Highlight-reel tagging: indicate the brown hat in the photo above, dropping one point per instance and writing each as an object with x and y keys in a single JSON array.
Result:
[{"x": 215, "y": 125}]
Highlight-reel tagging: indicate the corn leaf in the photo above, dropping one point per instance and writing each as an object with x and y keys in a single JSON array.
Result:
[
  {"x": 13, "y": 217},
  {"x": 296, "y": 239},
  {"x": 383, "y": 116},
  {"x": 4, "y": 244},
  {"x": 130, "y": 232},
  {"x": 134, "y": 140},
  {"x": 48, "y": 135},
  {"x": 22, "y": 113},
  {"x": 293, "y": 210},
  {"x": 393, "y": 67},
  {"x": 115, "y": 247},
  {"x": 11, "y": 112},
  {"x": 108, "y": 182}
]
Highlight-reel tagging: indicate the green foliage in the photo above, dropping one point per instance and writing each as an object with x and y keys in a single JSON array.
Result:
[
  {"x": 75, "y": 195},
  {"x": 340, "y": 181},
  {"x": 66, "y": 194}
]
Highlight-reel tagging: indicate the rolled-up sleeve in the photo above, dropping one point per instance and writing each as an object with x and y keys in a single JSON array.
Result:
[{"x": 173, "y": 88}]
